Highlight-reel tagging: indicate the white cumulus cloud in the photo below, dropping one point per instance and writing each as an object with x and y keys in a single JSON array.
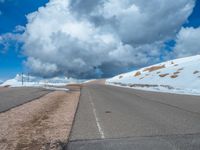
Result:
[
  {"x": 187, "y": 42},
  {"x": 88, "y": 38},
  {"x": 142, "y": 22},
  {"x": 9, "y": 41}
]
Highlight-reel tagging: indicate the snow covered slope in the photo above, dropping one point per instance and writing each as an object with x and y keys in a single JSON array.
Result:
[
  {"x": 176, "y": 76},
  {"x": 37, "y": 81}
]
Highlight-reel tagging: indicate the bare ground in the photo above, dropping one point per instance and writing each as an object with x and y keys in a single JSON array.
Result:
[
  {"x": 98, "y": 81},
  {"x": 3, "y": 88},
  {"x": 41, "y": 124},
  {"x": 154, "y": 68}
]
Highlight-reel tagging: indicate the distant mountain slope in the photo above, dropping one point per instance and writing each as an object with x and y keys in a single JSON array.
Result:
[
  {"x": 37, "y": 81},
  {"x": 177, "y": 76}
]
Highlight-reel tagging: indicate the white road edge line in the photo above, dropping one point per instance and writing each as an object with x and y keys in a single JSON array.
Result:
[{"x": 96, "y": 118}]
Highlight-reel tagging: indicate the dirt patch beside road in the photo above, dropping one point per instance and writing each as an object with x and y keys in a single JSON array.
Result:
[
  {"x": 41, "y": 124},
  {"x": 74, "y": 87},
  {"x": 98, "y": 81},
  {"x": 3, "y": 88}
]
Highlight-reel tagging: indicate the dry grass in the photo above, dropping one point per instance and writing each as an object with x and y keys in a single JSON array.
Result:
[
  {"x": 163, "y": 75},
  {"x": 195, "y": 72},
  {"x": 6, "y": 86},
  {"x": 154, "y": 68},
  {"x": 158, "y": 72},
  {"x": 137, "y": 74},
  {"x": 120, "y": 77},
  {"x": 3, "y": 88},
  {"x": 143, "y": 85},
  {"x": 74, "y": 87},
  {"x": 174, "y": 76},
  {"x": 43, "y": 124},
  {"x": 176, "y": 72},
  {"x": 180, "y": 69}
]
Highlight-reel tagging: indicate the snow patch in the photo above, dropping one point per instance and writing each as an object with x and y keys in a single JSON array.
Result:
[
  {"x": 181, "y": 76},
  {"x": 31, "y": 81}
]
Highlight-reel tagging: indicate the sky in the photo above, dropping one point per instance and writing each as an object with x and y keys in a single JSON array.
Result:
[
  {"x": 12, "y": 14},
  {"x": 94, "y": 38}
]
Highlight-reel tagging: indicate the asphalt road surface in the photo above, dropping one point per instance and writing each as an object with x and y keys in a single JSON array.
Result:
[
  {"x": 12, "y": 97},
  {"x": 113, "y": 118}
]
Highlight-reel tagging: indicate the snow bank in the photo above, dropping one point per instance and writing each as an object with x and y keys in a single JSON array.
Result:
[
  {"x": 180, "y": 76},
  {"x": 39, "y": 82}
]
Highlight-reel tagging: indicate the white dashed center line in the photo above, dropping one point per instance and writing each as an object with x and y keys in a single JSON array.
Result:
[{"x": 96, "y": 118}]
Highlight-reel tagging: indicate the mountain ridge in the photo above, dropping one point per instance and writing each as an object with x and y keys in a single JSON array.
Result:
[{"x": 175, "y": 76}]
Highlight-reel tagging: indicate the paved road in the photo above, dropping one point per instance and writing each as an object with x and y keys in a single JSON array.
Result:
[
  {"x": 12, "y": 97},
  {"x": 113, "y": 118}
]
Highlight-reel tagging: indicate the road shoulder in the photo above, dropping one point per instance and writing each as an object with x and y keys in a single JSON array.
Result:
[{"x": 44, "y": 123}]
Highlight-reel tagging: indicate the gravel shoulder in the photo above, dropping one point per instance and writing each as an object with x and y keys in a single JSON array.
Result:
[{"x": 44, "y": 123}]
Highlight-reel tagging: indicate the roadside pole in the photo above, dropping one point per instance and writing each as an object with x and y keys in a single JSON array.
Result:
[
  {"x": 22, "y": 79},
  {"x": 28, "y": 77}
]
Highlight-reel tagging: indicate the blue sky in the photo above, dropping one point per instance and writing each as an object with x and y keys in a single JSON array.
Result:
[
  {"x": 13, "y": 13},
  {"x": 194, "y": 19}
]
